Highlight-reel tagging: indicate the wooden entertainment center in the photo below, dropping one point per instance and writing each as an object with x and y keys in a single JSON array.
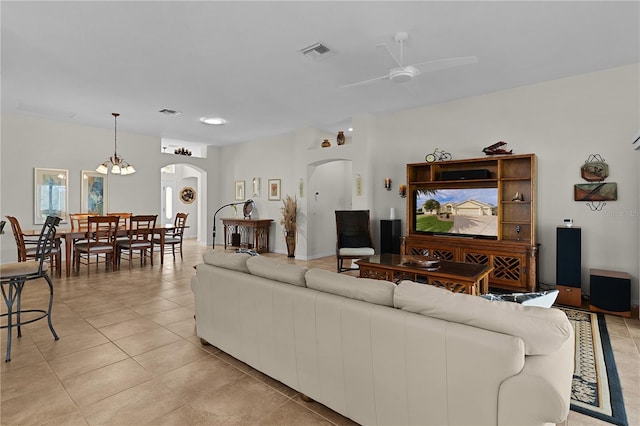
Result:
[{"x": 512, "y": 253}]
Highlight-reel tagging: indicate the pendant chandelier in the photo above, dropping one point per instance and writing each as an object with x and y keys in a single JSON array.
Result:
[{"x": 116, "y": 163}]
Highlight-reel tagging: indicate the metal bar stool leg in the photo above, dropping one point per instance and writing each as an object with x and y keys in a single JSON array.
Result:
[
  {"x": 55, "y": 335},
  {"x": 19, "y": 287},
  {"x": 9, "y": 300}
]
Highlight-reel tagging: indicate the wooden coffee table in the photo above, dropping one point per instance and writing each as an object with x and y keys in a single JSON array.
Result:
[{"x": 459, "y": 277}]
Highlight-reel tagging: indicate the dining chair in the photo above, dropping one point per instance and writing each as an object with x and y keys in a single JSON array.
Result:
[
  {"x": 27, "y": 245},
  {"x": 79, "y": 222},
  {"x": 139, "y": 237},
  {"x": 173, "y": 238},
  {"x": 125, "y": 221},
  {"x": 101, "y": 235},
  {"x": 353, "y": 240},
  {"x": 14, "y": 276}
]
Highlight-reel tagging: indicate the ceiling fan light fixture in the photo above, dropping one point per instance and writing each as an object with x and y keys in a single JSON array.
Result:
[
  {"x": 402, "y": 75},
  {"x": 213, "y": 121}
]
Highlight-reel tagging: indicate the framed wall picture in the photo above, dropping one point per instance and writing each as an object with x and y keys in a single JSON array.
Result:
[
  {"x": 274, "y": 189},
  {"x": 94, "y": 192},
  {"x": 187, "y": 195},
  {"x": 255, "y": 187},
  {"x": 51, "y": 194},
  {"x": 239, "y": 191}
]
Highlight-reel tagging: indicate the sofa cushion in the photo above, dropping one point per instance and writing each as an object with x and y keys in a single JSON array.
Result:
[
  {"x": 542, "y": 330},
  {"x": 278, "y": 271},
  {"x": 372, "y": 291},
  {"x": 233, "y": 261}
]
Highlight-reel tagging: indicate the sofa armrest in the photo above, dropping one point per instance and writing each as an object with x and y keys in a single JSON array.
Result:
[{"x": 541, "y": 392}]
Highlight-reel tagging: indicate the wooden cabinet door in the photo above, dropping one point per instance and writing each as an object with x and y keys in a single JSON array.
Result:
[
  {"x": 431, "y": 249},
  {"x": 509, "y": 269}
]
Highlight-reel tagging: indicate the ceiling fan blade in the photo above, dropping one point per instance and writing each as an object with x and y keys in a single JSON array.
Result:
[
  {"x": 391, "y": 54},
  {"x": 441, "y": 64},
  {"x": 361, "y": 83}
]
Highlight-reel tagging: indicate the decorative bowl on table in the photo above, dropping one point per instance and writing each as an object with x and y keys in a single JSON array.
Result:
[{"x": 428, "y": 262}]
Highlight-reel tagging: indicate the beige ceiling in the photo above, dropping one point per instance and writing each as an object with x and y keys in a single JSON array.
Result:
[{"x": 80, "y": 61}]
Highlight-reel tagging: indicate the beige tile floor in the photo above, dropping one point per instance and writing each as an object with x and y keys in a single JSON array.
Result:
[{"x": 128, "y": 355}]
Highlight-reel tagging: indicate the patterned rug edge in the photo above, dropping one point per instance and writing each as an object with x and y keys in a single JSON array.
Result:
[{"x": 619, "y": 415}]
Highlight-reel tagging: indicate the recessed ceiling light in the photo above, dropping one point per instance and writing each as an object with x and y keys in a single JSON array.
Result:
[
  {"x": 350, "y": 129},
  {"x": 214, "y": 121}
]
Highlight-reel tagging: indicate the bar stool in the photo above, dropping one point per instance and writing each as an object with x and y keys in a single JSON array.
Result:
[{"x": 14, "y": 276}]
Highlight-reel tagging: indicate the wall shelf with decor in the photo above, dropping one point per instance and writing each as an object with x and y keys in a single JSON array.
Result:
[{"x": 479, "y": 210}]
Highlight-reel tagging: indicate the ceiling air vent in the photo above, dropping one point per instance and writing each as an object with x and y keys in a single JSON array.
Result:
[
  {"x": 167, "y": 111},
  {"x": 317, "y": 51}
]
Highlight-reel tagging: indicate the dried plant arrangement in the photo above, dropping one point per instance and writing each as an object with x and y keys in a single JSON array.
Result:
[{"x": 289, "y": 212}]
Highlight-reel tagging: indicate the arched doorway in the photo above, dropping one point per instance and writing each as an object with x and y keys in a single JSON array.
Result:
[{"x": 184, "y": 189}]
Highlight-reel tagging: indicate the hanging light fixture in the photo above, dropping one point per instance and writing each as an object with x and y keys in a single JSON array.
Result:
[{"x": 116, "y": 163}]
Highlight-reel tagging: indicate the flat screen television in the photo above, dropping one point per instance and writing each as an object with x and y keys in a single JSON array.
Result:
[{"x": 461, "y": 212}]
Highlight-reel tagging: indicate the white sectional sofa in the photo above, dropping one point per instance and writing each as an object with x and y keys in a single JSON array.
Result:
[{"x": 378, "y": 353}]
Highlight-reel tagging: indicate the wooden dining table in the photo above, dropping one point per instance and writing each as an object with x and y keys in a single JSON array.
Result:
[{"x": 71, "y": 235}]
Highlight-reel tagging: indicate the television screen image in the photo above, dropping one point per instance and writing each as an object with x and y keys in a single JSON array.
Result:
[{"x": 469, "y": 212}]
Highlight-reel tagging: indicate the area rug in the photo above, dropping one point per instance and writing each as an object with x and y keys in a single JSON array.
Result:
[{"x": 596, "y": 389}]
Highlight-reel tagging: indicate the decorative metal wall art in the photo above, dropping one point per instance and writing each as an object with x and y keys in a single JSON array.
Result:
[{"x": 596, "y": 194}]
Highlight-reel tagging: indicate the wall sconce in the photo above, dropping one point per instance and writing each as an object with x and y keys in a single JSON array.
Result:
[
  {"x": 387, "y": 184},
  {"x": 402, "y": 191}
]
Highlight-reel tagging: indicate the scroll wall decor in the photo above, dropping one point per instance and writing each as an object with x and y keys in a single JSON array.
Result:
[{"x": 596, "y": 193}]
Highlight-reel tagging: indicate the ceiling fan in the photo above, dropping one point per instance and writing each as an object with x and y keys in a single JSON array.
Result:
[{"x": 403, "y": 73}]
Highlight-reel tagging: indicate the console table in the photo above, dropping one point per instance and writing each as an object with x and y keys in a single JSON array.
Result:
[
  {"x": 247, "y": 233},
  {"x": 458, "y": 277}
]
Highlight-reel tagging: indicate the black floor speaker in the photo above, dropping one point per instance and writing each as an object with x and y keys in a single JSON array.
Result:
[
  {"x": 568, "y": 257},
  {"x": 568, "y": 266},
  {"x": 390, "y": 233}
]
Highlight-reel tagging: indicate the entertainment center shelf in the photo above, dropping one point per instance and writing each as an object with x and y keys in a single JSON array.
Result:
[{"x": 510, "y": 248}]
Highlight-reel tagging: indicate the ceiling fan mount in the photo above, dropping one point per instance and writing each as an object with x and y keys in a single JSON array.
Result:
[
  {"x": 404, "y": 73},
  {"x": 401, "y": 36}
]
